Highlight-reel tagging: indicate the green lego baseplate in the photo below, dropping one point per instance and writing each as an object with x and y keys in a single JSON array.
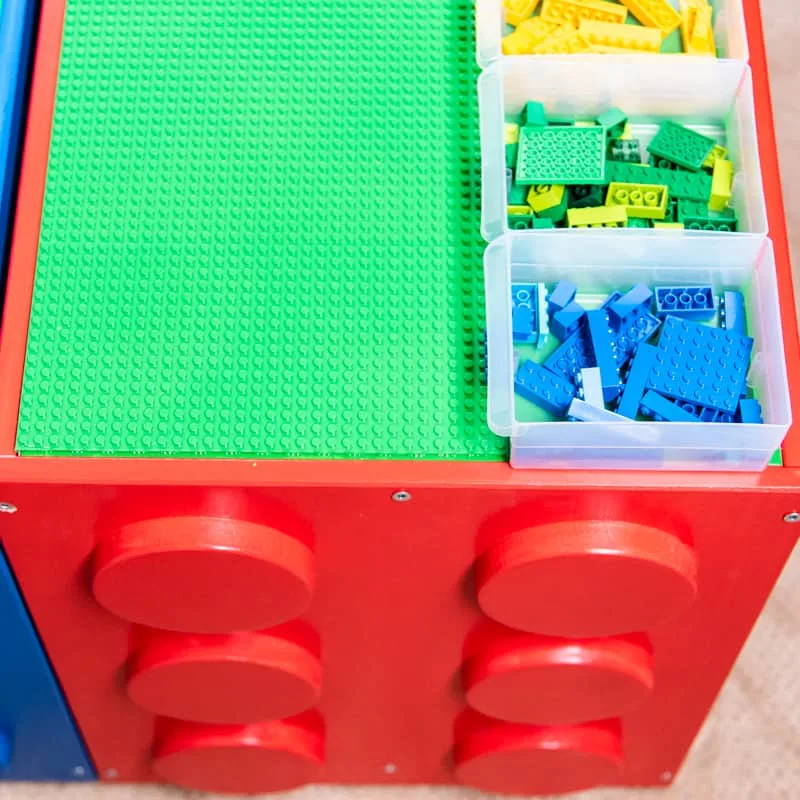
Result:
[
  {"x": 261, "y": 235},
  {"x": 561, "y": 154}
]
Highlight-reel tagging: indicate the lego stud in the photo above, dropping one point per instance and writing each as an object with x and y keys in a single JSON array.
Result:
[
  {"x": 230, "y": 678},
  {"x": 533, "y": 759},
  {"x": 203, "y": 574},
  {"x": 544, "y": 680},
  {"x": 586, "y": 578},
  {"x": 272, "y": 756}
]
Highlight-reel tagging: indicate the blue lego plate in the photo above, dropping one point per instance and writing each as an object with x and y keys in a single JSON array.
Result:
[{"x": 17, "y": 23}]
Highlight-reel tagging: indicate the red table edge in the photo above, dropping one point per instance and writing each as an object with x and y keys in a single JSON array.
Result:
[{"x": 391, "y": 474}]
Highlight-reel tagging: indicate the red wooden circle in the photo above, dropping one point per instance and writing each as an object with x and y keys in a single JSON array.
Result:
[
  {"x": 595, "y": 578},
  {"x": 236, "y": 678},
  {"x": 528, "y": 759},
  {"x": 203, "y": 574},
  {"x": 543, "y": 680},
  {"x": 264, "y": 757}
]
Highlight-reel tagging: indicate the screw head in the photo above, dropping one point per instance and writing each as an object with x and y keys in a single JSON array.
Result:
[
  {"x": 78, "y": 772},
  {"x": 112, "y": 773},
  {"x": 390, "y": 769},
  {"x": 792, "y": 516},
  {"x": 666, "y": 776},
  {"x": 401, "y": 497},
  {"x": 8, "y": 508}
]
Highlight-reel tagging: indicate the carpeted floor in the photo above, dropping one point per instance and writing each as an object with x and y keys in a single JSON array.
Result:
[{"x": 749, "y": 748}]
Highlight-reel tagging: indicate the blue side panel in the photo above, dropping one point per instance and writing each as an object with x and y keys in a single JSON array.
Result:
[
  {"x": 38, "y": 739},
  {"x": 17, "y": 18}
]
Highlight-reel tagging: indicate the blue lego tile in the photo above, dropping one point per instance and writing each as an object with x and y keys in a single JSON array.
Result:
[
  {"x": 567, "y": 320},
  {"x": 688, "y": 302},
  {"x": 17, "y": 18},
  {"x": 581, "y": 411},
  {"x": 750, "y": 412},
  {"x": 664, "y": 410},
  {"x": 732, "y": 313},
  {"x": 604, "y": 350},
  {"x": 41, "y": 741},
  {"x": 570, "y": 357},
  {"x": 562, "y": 295},
  {"x": 636, "y": 381},
  {"x": 701, "y": 365},
  {"x": 545, "y": 389},
  {"x": 638, "y": 327},
  {"x": 636, "y": 299}
]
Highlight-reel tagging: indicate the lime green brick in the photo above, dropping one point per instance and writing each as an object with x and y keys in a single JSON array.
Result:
[
  {"x": 645, "y": 201},
  {"x": 185, "y": 304}
]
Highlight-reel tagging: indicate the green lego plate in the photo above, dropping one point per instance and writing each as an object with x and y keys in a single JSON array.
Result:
[{"x": 260, "y": 235}]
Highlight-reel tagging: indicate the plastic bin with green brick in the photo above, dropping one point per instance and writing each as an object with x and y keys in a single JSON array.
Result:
[
  {"x": 261, "y": 235},
  {"x": 715, "y": 98}
]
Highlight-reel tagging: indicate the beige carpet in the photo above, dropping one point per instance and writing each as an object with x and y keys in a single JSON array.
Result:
[{"x": 749, "y": 748}]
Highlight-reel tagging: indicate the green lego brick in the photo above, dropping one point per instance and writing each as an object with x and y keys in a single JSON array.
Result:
[
  {"x": 187, "y": 304},
  {"x": 613, "y": 121},
  {"x": 777, "y": 459},
  {"x": 681, "y": 145},
  {"x": 561, "y": 154},
  {"x": 697, "y": 217},
  {"x": 682, "y": 185},
  {"x": 512, "y": 149},
  {"x": 542, "y": 223},
  {"x": 517, "y": 195},
  {"x": 638, "y": 222},
  {"x": 533, "y": 114}
]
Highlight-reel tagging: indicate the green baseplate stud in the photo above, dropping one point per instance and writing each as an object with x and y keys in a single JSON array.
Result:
[{"x": 261, "y": 235}]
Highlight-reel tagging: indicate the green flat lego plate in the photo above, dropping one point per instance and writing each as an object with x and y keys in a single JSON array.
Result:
[
  {"x": 561, "y": 154},
  {"x": 260, "y": 235}
]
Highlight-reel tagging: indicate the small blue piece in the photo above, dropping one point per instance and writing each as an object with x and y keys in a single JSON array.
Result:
[
  {"x": 750, "y": 412},
  {"x": 524, "y": 313},
  {"x": 636, "y": 382},
  {"x": 603, "y": 347},
  {"x": 590, "y": 387},
  {"x": 663, "y": 410},
  {"x": 611, "y": 299},
  {"x": 706, "y": 414},
  {"x": 571, "y": 357},
  {"x": 580, "y": 411},
  {"x": 637, "y": 299},
  {"x": 543, "y": 388},
  {"x": 701, "y": 365},
  {"x": 637, "y": 328},
  {"x": 732, "y": 314},
  {"x": 562, "y": 295},
  {"x": 689, "y": 302},
  {"x": 567, "y": 320}
]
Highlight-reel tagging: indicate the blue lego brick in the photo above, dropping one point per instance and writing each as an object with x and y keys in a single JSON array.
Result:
[
  {"x": 581, "y": 411},
  {"x": 566, "y": 321},
  {"x": 689, "y": 302},
  {"x": 637, "y": 298},
  {"x": 524, "y": 312},
  {"x": 611, "y": 299},
  {"x": 590, "y": 387},
  {"x": 732, "y": 314},
  {"x": 701, "y": 365},
  {"x": 637, "y": 328},
  {"x": 636, "y": 381},
  {"x": 750, "y": 412},
  {"x": 664, "y": 410},
  {"x": 571, "y": 357},
  {"x": 545, "y": 389},
  {"x": 705, "y": 414},
  {"x": 604, "y": 350},
  {"x": 43, "y": 743},
  {"x": 562, "y": 295},
  {"x": 17, "y": 19}
]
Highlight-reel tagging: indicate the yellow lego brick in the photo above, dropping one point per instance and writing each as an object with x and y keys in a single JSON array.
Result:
[
  {"x": 519, "y": 211},
  {"x": 718, "y": 151},
  {"x": 574, "y": 11},
  {"x": 563, "y": 40},
  {"x": 545, "y": 196},
  {"x": 654, "y": 13},
  {"x": 692, "y": 45},
  {"x": 640, "y": 200},
  {"x": 627, "y": 133},
  {"x": 597, "y": 217},
  {"x": 676, "y": 226},
  {"x": 584, "y": 123},
  {"x": 618, "y": 51},
  {"x": 529, "y": 34},
  {"x": 702, "y": 27},
  {"x": 626, "y": 37},
  {"x": 721, "y": 185},
  {"x": 519, "y": 10},
  {"x": 511, "y": 133}
]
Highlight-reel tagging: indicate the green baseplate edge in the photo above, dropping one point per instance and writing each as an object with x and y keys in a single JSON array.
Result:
[{"x": 260, "y": 235}]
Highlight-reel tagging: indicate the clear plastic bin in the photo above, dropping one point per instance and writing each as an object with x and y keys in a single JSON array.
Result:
[
  {"x": 730, "y": 33},
  {"x": 598, "y": 263},
  {"x": 714, "y": 97}
]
